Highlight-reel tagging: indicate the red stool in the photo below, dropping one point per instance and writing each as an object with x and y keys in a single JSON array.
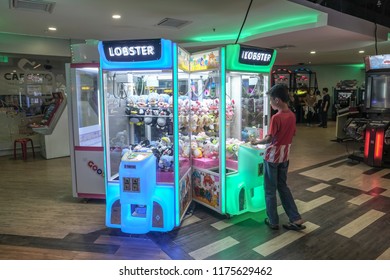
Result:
[{"x": 23, "y": 142}]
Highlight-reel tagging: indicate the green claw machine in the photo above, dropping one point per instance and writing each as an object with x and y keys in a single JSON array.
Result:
[
  {"x": 147, "y": 176},
  {"x": 227, "y": 173}
]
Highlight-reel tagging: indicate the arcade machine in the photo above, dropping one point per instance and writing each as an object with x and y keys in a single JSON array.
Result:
[
  {"x": 147, "y": 182},
  {"x": 344, "y": 97},
  {"x": 377, "y": 109},
  {"x": 227, "y": 174},
  {"x": 85, "y": 130},
  {"x": 53, "y": 127},
  {"x": 304, "y": 81},
  {"x": 345, "y": 105},
  {"x": 282, "y": 76}
]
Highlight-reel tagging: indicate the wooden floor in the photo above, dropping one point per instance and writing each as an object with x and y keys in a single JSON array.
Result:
[{"x": 346, "y": 206}]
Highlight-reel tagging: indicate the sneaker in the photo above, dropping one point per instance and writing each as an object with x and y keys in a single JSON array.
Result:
[
  {"x": 294, "y": 226},
  {"x": 271, "y": 226}
]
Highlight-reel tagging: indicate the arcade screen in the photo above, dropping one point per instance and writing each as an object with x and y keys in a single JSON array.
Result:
[{"x": 378, "y": 89}]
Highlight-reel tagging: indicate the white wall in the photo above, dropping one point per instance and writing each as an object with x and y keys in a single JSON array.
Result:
[{"x": 19, "y": 44}]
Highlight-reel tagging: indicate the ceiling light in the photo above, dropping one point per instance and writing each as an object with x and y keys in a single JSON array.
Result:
[
  {"x": 116, "y": 16},
  {"x": 313, "y": 52},
  {"x": 52, "y": 28},
  {"x": 361, "y": 51}
]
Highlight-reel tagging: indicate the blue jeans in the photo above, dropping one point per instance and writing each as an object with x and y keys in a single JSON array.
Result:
[{"x": 275, "y": 179}]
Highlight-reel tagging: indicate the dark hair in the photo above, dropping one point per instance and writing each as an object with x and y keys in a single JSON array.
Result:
[
  {"x": 325, "y": 89},
  {"x": 279, "y": 91}
]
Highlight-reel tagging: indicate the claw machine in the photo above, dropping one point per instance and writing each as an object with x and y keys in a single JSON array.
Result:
[
  {"x": 228, "y": 106},
  {"x": 147, "y": 174},
  {"x": 86, "y": 147},
  {"x": 247, "y": 82}
]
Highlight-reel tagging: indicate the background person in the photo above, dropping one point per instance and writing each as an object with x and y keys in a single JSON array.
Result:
[{"x": 325, "y": 108}]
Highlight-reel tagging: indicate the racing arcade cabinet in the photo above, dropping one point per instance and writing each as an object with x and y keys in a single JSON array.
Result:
[{"x": 377, "y": 108}]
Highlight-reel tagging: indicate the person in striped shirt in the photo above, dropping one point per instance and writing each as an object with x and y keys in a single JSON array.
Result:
[{"x": 276, "y": 160}]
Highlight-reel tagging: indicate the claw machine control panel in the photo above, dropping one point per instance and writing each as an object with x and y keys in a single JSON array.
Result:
[{"x": 146, "y": 185}]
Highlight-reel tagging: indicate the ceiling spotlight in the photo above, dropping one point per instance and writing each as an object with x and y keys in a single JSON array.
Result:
[
  {"x": 116, "y": 16},
  {"x": 313, "y": 52},
  {"x": 51, "y": 28},
  {"x": 361, "y": 51}
]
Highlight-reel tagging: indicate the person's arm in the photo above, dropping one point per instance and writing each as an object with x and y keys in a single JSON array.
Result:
[{"x": 267, "y": 139}]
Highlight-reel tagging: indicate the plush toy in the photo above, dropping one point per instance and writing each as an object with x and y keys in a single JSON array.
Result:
[
  {"x": 196, "y": 151},
  {"x": 151, "y": 116},
  {"x": 166, "y": 163},
  {"x": 170, "y": 103},
  {"x": 164, "y": 144},
  {"x": 214, "y": 106},
  {"x": 162, "y": 101},
  {"x": 133, "y": 111},
  {"x": 232, "y": 151},
  {"x": 142, "y": 101},
  {"x": 131, "y": 104},
  {"x": 186, "y": 150},
  {"x": 194, "y": 122},
  {"x": 152, "y": 99},
  {"x": 229, "y": 109},
  {"x": 163, "y": 119},
  {"x": 211, "y": 148}
]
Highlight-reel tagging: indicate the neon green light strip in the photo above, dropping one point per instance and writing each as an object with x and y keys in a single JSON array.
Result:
[
  {"x": 284, "y": 23},
  {"x": 176, "y": 133},
  {"x": 263, "y": 28}
]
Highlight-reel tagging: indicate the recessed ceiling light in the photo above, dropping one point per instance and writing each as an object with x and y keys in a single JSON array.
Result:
[
  {"x": 52, "y": 28},
  {"x": 361, "y": 51},
  {"x": 116, "y": 16},
  {"x": 313, "y": 52}
]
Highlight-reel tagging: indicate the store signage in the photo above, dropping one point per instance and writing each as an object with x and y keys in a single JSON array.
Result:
[
  {"x": 255, "y": 56},
  {"x": 132, "y": 51}
]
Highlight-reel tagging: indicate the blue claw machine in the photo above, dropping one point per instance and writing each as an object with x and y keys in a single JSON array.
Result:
[{"x": 147, "y": 178}]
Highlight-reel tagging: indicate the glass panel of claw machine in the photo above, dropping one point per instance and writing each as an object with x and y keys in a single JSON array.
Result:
[
  {"x": 184, "y": 132},
  {"x": 203, "y": 115},
  {"x": 85, "y": 126},
  {"x": 246, "y": 114}
]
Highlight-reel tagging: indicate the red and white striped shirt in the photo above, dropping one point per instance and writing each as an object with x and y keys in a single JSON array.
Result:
[{"x": 282, "y": 130}]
